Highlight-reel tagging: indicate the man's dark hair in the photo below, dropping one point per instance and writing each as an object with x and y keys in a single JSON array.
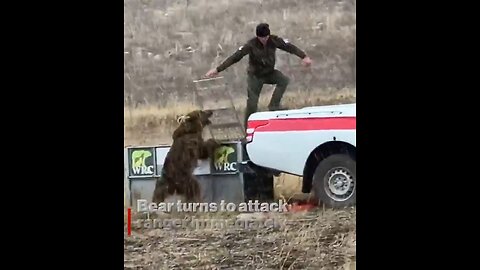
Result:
[{"x": 263, "y": 30}]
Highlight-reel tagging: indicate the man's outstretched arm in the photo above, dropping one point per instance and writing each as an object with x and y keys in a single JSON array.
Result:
[
  {"x": 285, "y": 45},
  {"x": 232, "y": 59}
]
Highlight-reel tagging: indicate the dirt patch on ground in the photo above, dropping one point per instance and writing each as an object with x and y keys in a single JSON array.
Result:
[{"x": 320, "y": 239}]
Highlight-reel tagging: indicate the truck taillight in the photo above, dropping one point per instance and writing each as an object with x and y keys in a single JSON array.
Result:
[{"x": 251, "y": 126}]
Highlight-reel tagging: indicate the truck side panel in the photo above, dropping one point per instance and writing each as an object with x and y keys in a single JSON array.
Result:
[{"x": 287, "y": 151}]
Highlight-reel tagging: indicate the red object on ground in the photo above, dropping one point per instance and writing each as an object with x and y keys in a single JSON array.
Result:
[
  {"x": 295, "y": 207},
  {"x": 129, "y": 221}
]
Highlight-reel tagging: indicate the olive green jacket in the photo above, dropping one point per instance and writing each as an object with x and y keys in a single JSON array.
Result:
[{"x": 261, "y": 58}]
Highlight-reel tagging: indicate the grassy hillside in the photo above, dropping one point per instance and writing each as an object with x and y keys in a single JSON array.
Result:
[{"x": 170, "y": 43}]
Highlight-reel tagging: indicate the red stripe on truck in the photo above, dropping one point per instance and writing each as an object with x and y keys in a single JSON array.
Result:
[{"x": 303, "y": 124}]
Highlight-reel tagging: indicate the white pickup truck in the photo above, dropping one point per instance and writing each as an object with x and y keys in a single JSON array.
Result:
[{"x": 316, "y": 143}]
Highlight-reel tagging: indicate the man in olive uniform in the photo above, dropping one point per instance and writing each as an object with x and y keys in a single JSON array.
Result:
[{"x": 261, "y": 70}]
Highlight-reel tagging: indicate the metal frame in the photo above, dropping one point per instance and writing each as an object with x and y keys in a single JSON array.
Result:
[{"x": 228, "y": 95}]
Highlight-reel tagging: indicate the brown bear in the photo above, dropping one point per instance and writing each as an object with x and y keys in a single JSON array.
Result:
[{"x": 188, "y": 147}]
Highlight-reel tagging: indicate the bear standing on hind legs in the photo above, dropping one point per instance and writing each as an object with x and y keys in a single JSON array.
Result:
[{"x": 188, "y": 147}]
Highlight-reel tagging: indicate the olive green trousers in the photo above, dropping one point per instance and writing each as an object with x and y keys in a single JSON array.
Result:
[{"x": 254, "y": 89}]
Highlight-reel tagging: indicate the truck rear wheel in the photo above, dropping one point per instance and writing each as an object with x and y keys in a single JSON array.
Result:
[{"x": 334, "y": 181}]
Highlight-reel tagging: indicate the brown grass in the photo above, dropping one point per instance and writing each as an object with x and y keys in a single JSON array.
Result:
[
  {"x": 169, "y": 43},
  {"x": 288, "y": 187},
  {"x": 321, "y": 239}
]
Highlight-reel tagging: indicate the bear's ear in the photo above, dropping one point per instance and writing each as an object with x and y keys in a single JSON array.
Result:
[
  {"x": 182, "y": 118},
  {"x": 197, "y": 114}
]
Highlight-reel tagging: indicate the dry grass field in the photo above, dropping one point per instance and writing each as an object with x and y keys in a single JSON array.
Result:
[
  {"x": 321, "y": 239},
  {"x": 169, "y": 43}
]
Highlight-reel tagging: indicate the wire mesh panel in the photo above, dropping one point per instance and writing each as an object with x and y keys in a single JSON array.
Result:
[{"x": 213, "y": 94}]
